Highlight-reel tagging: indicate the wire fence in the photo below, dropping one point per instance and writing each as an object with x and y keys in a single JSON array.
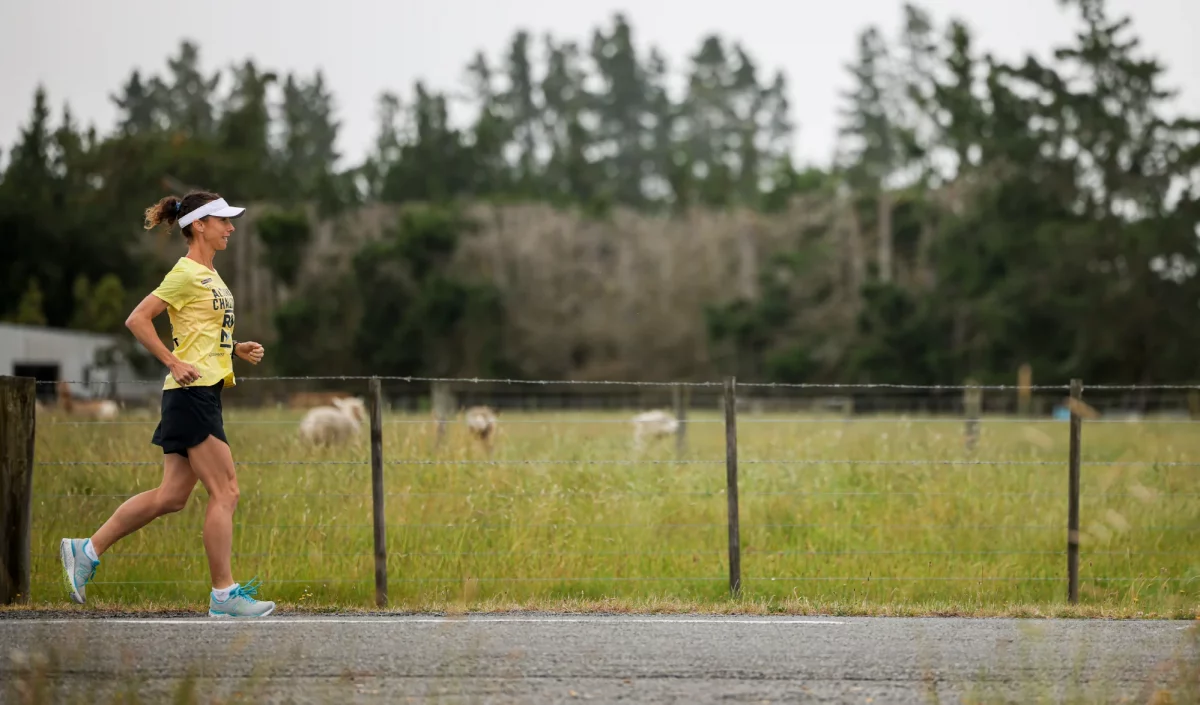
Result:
[
  {"x": 749, "y": 489},
  {"x": 1174, "y": 396}
]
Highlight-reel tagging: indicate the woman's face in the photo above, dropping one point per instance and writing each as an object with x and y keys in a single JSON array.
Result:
[{"x": 213, "y": 231}]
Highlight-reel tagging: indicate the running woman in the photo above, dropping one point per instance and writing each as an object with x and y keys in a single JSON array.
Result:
[{"x": 190, "y": 431}]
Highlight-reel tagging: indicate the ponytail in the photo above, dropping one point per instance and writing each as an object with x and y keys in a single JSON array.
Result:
[{"x": 165, "y": 211}]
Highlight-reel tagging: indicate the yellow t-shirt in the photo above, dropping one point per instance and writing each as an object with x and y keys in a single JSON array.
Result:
[{"x": 201, "y": 310}]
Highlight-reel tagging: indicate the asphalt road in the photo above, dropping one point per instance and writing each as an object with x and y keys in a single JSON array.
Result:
[{"x": 524, "y": 658}]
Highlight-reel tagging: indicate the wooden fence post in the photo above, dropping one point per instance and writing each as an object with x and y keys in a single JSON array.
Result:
[
  {"x": 972, "y": 408},
  {"x": 680, "y": 398},
  {"x": 441, "y": 399},
  {"x": 377, "y": 492},
  {"x": 1076, "y": 441},
  {"x": 1024, "y": 390},
  {"x": 731, "y": 487},
  {"x": 17, "y": 424}
]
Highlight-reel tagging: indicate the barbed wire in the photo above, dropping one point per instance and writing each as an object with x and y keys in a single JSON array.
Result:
[
  {"x": 678, "y": 578},
  {"x": 670, "y": 525},
  {"x": 1140, "y": 387},
  {"x": 644, "y": 554},
  {"x": 147, "y": 422},
  {"x": 510, "y": 381},
  {"x": 787, "y": 461},
  {"x": 720, "y": 492},
  {"x": 418, "y": 554},
  {"x": 207, "y": 582},
  {"x": 707, "y": 525},
  {"x": 919, "y": 387},
  {"x": 965, "y": 578},
  {"x": 640, "y": 462},
  {"x": 159, "y": 463},
  {"x": 861, "y": 420},
  {"x": 745, "y": 526}
]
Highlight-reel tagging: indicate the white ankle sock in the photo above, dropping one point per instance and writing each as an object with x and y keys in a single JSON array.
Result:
[
  {"x": 89, "y": 550},
  {"x": 223, "y": 595}
]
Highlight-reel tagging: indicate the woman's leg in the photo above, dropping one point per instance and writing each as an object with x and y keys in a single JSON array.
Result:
[
  {"x": 141, "y": 509},
  {"x": 213, "y": 464}
]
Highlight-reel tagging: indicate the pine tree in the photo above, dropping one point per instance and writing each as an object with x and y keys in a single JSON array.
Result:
[
  {"x": 622, "y": 112},
  {"x": 308, "y": 153},
  {"x": 387, "y": 147},
  {"x": 138, "y": 106},
  {"x": 28, "y": 176},
  {"x": 571, "y": 176},
  {"x": 961, "y": 115},
  {"x": 522, "y": 113},
  {"x": 490, "y": 133},
  {"x": 706, "y": 122},
  {"x": 872, "y": 144},
  {"x": 30, "y": 308},
  {"x": 187, "y": 97},
  {"x": 245, "y": 135}
]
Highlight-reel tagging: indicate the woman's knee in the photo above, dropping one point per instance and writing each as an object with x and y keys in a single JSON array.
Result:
[
  {"x": 226, "y": 495},
  {"x": 213, "y": 464},
  {"x": 171, "y": 502}
]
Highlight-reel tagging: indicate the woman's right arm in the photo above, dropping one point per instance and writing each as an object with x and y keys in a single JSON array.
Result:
[{"x": 141, "y": 324}]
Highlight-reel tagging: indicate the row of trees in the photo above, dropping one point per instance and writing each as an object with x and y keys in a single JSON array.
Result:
[
  {"x": 979, "y": 214},
  {"x": 1044, "y": 212}
]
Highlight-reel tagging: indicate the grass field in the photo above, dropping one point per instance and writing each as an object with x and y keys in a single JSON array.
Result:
[{"x": 604, "y": 525}]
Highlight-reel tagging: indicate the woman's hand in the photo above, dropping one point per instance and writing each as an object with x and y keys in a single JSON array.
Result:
[
  {"x": 250, "y": 351},
  {"x": 183, "y": 373}
]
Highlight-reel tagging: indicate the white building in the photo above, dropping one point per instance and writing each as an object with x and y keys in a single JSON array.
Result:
[{"x": 53, "y": 354}]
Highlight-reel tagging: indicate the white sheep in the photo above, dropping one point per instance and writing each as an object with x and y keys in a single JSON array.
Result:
[
  {"x": 327, "y": 425},
  {"x": 482, "y": 423},
  {"x": 99, "y": 409},
  {"x": 652, "y": 425}
]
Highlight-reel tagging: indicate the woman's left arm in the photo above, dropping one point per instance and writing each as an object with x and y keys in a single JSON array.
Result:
[{"x": 249, "y": 351}]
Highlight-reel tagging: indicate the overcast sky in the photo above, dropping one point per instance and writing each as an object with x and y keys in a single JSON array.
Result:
[{"x": 82, "y": 51}]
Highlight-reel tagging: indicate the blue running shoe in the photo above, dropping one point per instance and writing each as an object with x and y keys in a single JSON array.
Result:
[
  {"x": 241, "y": 603},
  {"x": 78, "y": 569}
]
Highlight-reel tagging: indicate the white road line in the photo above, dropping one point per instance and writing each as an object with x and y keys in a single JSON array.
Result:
[{"x": 399, "y": 620}]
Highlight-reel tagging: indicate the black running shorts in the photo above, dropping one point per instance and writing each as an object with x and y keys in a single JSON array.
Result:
[{"x": 189, "y": 416}]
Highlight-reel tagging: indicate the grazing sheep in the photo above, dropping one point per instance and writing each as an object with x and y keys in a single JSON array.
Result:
[
  {"x": 653, "y": 425},
  {"x": 328, "y": 425},
  {"x": 99, "y": 409},
  {"x": 481, "y": 422}
]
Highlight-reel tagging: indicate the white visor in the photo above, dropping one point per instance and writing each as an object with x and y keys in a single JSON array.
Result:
[{"x": 219, "y": 208}]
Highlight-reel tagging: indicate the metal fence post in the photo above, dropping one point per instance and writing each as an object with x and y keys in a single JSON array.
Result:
[
  {"x": 1073, "y": 463},
  {"x": 377, "y": 492},
  {"x": 731, "y": 487},
  {"x": 680, "y": 398},
  {"x": 17, "y": 425}
]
